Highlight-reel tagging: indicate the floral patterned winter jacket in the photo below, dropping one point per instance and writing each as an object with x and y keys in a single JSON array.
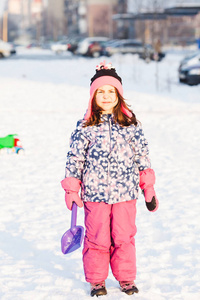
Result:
[{"x": 107, "y": 159}]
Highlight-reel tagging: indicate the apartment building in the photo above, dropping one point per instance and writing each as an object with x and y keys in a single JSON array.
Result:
[
  {"x": 56, "y": 19},
  {"x": 23, "y": 18},
  {"x": 84, "y": 17},
  {"x": 50, "y": 19}
]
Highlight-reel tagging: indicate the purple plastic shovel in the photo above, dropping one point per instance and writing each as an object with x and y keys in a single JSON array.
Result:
[{"x": 72, "y": 238}]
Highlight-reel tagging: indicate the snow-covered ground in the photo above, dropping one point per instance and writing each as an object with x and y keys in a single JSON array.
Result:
[{"x": 41, "y": 99}]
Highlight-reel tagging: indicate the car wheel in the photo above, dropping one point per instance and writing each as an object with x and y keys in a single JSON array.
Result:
[{"x": 96, "y": 54}]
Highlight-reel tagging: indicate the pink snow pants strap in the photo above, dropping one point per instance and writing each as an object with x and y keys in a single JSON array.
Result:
[{"x": 109, "y": 238}]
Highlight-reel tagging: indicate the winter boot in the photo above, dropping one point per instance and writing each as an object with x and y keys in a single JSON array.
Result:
[
  {"x": 128, "y": 287},
  {"x": 98, "y": 289}
]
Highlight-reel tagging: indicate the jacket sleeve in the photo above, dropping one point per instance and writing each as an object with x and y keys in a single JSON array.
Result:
[
  {"x": 77, "y": 154},
  {"x": 141, "y": 149}
]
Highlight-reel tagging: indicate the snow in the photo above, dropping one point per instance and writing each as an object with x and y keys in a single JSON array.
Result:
[{"x": 41, "y": 98}]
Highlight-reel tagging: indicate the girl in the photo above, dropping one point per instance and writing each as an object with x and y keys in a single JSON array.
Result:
[{"x": 108, "y": 160}]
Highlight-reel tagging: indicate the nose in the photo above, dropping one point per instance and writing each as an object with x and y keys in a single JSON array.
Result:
[{"x": 105, "y": 95}]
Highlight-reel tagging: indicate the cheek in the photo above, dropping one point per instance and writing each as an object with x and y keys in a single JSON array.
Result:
[
  {"x": 98, "y": 100},
  {"x": 116, "y": 100}
]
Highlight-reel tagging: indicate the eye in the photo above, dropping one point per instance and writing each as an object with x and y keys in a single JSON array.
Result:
[{"x": 99, "y": 91}]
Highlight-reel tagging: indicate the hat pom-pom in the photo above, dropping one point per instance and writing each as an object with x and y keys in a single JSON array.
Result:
[{"x": 104, "y": 66}]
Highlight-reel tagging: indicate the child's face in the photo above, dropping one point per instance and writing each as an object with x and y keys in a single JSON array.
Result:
[{"x": 106, "y": 98}]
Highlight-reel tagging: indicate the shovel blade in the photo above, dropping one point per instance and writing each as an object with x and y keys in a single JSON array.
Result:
[{"x": 72, "y": 239}]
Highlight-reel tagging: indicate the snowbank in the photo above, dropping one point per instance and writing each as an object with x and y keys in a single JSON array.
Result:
[{"x": 41, "y": 100}]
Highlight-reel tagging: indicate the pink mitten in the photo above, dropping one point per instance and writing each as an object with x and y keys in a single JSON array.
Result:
[
  {"x": 71, "y": 185},
  {"x": 147, "y": 181}
]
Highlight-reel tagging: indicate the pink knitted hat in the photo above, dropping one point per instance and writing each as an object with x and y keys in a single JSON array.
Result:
[{"x": 105, "y": 75}]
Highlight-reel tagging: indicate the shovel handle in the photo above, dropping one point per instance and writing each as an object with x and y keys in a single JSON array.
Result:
[{"x": 74, "y": 215}]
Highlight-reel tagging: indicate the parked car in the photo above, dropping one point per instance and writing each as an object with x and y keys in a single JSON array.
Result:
[
  {"x": 94, "y": 49},
  {"x": 123, "y": 46},
  {"x": 34, "y": 44},
  {"x": 148, "y": 53},
  {"x": 190, "y": 60},
  {"x": 13, "y": 50},
  {"x": 190, "y": 74},
  {"x": 107, "y": 45},
  {"x": 11, "y": 144},
  {"x": 60, "y": 46},
  {"x": 73, "y": 44},
  {"x": 5, "y": 49},
  {"x": 84, "y": 46},
  {"x": 189, "y": 69}
]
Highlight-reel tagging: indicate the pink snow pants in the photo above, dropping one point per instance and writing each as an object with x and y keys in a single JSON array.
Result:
[{"x": 109, "y": 239}]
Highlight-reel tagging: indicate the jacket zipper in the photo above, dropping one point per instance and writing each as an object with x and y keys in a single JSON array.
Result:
[{"x": 109, "y": 124}]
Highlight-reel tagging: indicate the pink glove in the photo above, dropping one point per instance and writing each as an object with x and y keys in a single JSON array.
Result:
[
  {"x": 147, "y": 181},
  {"x": 71, "y": 185}
]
